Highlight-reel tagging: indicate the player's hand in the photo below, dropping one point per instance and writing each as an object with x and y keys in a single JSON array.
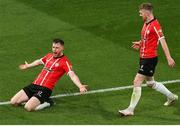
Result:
[
  {"x": 136, "y": 45},
  {"x": 23, "y": 66},
  {"x": 171, "y": 62},
  {"x": 83, "y": 89}
]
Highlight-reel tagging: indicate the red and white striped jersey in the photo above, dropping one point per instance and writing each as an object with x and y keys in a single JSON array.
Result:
[
  {"x": 151, "y": 33},
  {"x": 53, "y": 69}
]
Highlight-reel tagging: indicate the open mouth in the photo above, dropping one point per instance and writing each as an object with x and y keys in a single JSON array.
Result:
[{"x": 55, "y": 54}]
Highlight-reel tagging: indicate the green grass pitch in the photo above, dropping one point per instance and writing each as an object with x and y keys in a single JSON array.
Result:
[{"x": 98, "y": 36}]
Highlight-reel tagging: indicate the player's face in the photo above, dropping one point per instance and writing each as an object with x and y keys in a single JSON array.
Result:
[
  {"x": 143, "y": 13},
  {"x": 57, "y": 49}
]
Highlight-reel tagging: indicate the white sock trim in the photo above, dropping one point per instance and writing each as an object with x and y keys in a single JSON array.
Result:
[{"x": 42, "y": 106}]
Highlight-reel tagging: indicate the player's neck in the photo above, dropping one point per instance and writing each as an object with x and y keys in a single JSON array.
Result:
[
  {"x": 149, "y": 18},
  {"x": 60, "y": 55}
]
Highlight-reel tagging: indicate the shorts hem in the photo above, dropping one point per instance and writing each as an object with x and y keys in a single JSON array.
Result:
[
  {"x": 26, "y": 92},
  {"x": 146, "y": 74}
]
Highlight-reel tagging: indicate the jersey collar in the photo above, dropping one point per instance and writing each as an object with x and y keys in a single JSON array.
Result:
[
  {"x": 150, "y": 21},
  {"x": 58, "y": 57}
]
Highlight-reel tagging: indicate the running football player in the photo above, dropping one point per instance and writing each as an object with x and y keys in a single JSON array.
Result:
[{"x": 151, "y": 35}]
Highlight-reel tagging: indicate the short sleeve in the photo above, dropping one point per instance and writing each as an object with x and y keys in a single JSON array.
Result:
[
  {"x": 67, "y": 66},
  {"x": 158, "y": 31},
  {"x": 44, "y": 59}
]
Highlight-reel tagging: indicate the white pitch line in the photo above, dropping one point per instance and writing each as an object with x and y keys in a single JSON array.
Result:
[
  {"x": 5, "y": 103},
  {"x": 100, "y": 90},
  {"x": 109, "y": 89}
]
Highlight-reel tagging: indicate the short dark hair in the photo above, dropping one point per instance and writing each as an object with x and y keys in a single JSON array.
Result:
[
  {"x": 60, "y": 41},
  {"x": 146, "y": 6}
]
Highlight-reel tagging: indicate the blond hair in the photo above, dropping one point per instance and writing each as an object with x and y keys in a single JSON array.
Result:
[{"x": 146, "y": 6}]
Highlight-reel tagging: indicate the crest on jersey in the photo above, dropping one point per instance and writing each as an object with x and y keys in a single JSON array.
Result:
[
  {"x": 148, "y": 31},
  {"x": 57, "y": 64}
]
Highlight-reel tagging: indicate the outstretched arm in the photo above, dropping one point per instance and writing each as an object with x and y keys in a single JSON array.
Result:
[
  {"x": 76, "y": 81},
  {"x": 165, "y": 48},
  {"x": 29, "y": 65}
]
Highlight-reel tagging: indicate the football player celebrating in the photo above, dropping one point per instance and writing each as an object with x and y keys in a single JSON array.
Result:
[
  {"x": 151, "y": 34},
  {"x": 56, "y": 64}
]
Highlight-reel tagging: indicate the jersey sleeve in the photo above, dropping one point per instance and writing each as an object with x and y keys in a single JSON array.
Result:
[
  {"x": 158, "y": 31},
  {"x": 44, "y": 59},
  {"x": 67, "y": 66}
]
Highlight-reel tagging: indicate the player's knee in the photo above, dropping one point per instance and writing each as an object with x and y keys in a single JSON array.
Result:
[
  {"x": 28, "y": 108},
  {"x": 137, "y": 82},
  {"x": 13, "y": 102},
  {"x": 150, "y": 84}
]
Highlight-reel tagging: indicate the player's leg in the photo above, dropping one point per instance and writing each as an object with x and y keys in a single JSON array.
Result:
[
  {"x": 162, "y": 89},
  {"x": 32, "y": 104},
  {"x": 136, "y": 95},
  {"x": 44, "y": 97},
  {"x": 49, "y": 102},
  {"x": 41, "y": 99},
  {"x": 19, "y": 98},
  {"x": 23, "y": 95},
  {"x": 157, "y": 86},
  {"x": 136, "y": 90}
]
